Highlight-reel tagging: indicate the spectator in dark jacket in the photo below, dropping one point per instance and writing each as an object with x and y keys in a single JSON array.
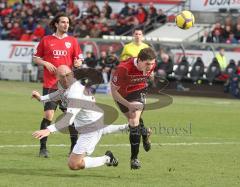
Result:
[
  {"x": 161, "y": 17},
  {"x": 125, "y": 10},
  {"x": 237, "y": 32},
  {"x": 206, "y": 38},
  {"x": 164, "y": 66},
  {"x": 107, "y": 62},
  {"x": 217, "y": 37},
  {"x": 108, "y": 9},
  {"x": 90, "y": 60}
]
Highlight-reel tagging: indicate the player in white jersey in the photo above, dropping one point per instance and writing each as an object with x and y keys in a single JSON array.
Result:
[{"x": 87, "y": 118}]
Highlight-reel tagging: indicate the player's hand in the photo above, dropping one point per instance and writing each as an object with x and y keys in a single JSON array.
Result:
[
  {"x": 41, "y": 134},
  {"x": 77, "y": 63},
  {"x": 50, "y": 67},
  {"x": 36, "y": 95},
  {"x": 134, "y": 106}
]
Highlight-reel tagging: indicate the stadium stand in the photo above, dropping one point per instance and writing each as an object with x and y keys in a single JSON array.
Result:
[
  {"x": 18, "y": 22},
  {"x": 29, "y": 22},
  {"x": 170, "y": 32}
]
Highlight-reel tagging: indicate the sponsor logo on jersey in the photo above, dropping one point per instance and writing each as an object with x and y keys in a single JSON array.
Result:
[
  {"x": 68, "y": 44},
  {"x": 58, "y": 53},
  {"x": 138, "y": 80}
]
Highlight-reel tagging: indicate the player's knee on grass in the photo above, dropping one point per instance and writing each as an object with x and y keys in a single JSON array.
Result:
[{"x": 76, "y": 162}]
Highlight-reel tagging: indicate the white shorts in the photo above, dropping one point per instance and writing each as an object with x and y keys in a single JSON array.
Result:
[{"x": 87, "y": 142}]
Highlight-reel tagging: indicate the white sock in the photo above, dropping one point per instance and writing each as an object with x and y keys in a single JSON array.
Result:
[
  {"x": 92, "y": 162},
  {"x": 114, "y": 128}
]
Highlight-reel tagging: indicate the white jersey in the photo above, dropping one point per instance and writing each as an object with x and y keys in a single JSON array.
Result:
[{"x": 83, "y": 115}]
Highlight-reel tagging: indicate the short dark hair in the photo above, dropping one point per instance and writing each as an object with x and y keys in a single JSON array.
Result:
[
  {"x": 147, "y": 54},
  {"x": 137, "y": 29},
  {"x": 56, "y": 20}
]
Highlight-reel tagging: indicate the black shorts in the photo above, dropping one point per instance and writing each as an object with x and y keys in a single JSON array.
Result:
[
  {"x": 49, "y": 105},
  {"x": 139, "y": 96}
]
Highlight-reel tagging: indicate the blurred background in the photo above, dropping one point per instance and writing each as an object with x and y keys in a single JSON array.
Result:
[{"x": 201, "y": 61}]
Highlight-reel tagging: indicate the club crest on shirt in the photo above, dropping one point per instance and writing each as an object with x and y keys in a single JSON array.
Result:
[{"x": 68, "y": 44}]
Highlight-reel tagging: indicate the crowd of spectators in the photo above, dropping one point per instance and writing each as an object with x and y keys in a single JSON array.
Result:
[
  {"x": 29, "y": 22},
  {"x": 228, "y": 32},
  {"x": 105, "y": 63}
]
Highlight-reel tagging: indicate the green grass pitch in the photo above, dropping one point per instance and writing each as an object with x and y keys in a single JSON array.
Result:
[{"x": 196, "y": 142}]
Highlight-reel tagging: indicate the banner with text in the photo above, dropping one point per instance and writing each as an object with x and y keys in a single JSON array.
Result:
[
  {"x": 16, "y": 52},
  {"x": 213, "y": 5}
]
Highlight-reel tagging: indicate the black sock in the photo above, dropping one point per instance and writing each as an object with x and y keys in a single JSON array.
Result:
[
  {"x": 134, "y": 138},
  {"x": 45, "y": 122},
  {"x": 143, "y": 130},
  {"x": 73, "y": 135}
]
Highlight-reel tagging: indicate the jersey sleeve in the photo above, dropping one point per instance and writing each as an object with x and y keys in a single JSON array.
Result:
[
  {"x": 39, "y": 51},
  {"x": 77, "y": 53},
  {"x": 119, "y": 77},
  {"x": 55, "y": 96}
]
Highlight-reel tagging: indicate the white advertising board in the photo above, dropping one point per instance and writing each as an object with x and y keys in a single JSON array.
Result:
[
  {"x": 213, "y": 5},
  {"x": 16, "y": 52}
]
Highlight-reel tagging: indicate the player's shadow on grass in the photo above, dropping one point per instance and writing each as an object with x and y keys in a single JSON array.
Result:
[
  {"x": 163, "y": 100},
  {"x": 53, "y": 173}
]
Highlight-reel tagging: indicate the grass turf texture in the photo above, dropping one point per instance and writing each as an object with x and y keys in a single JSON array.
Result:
[{"x": 212, "y": 159}]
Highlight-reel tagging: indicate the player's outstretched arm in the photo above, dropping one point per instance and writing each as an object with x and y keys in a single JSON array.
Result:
[
  {"x": 36, "y": 95},
  {"x": 50, "y": 67},
  {"x": 41, "y": 133},
  {"x": 55, "y": 96}
]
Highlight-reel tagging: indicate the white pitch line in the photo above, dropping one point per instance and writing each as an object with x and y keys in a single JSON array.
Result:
[{"x": 127, "y": 145}]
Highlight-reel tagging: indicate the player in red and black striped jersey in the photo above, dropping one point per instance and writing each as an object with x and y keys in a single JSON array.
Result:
[
  {"x": 129, "y": 86},
  {"x": 53, "y": 51}
]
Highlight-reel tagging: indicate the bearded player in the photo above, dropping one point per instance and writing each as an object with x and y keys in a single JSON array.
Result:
[{"x": 52, "y": 51}]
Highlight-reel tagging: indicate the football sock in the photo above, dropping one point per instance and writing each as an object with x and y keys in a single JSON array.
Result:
[
  {"x": 114, "y": 128},
  {"x": 143, "y": 129},
  {"x": 134, "y": 138},
  {"x": 73, "y": 135},
  {"x": 92, "y": 162},
  {"x": 45, "y": 122}
]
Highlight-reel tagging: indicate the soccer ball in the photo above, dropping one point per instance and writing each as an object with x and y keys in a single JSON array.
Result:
[{"x": 185, "y": 19}]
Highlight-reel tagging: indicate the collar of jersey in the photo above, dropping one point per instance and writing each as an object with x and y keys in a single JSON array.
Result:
[{"x": 64, "y": 35}]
